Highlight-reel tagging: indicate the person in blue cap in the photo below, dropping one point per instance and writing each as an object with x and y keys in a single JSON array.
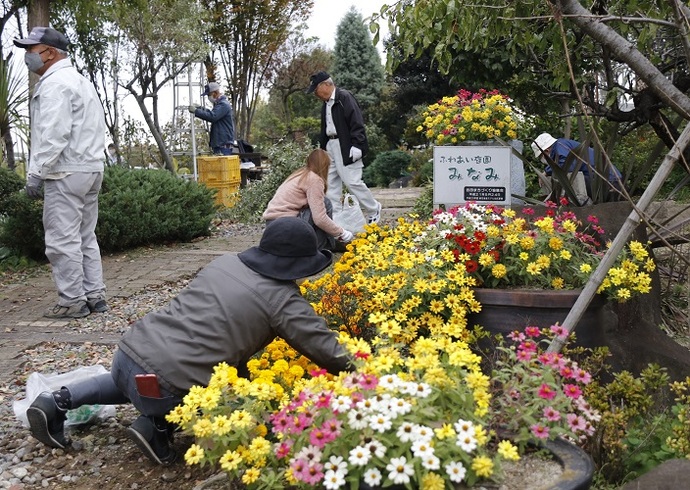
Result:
[{"x": 222, "y": 137}]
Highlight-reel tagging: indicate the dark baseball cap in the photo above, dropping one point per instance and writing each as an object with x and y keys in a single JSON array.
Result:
[
  {"x": 44, "y": 35},
  {"x": 316, "y": 79}
]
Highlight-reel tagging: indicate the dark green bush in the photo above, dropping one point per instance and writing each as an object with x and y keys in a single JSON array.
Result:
[
  {"x": 139, "y": 207},
  {"x": 10, "y": 183},
  {"x": 136, "y": 207},
  {"x": 387, "y": 167}
]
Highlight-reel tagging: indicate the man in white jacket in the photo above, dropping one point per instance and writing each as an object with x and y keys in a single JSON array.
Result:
[{"x": 66, "y": 167}]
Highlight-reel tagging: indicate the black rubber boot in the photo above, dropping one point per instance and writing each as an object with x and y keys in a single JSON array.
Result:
[
  {"x": 154, "y": 442},
  {"x": 47, "y": 421}
]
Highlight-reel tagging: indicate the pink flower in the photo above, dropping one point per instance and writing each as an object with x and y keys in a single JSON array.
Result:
[
  {"x": 528, "y": 211},
  {"x": 549, "y": 358},
  {"x": 528, "y": 345},
  {"x": 559, "y": 331},
  {"x": 524, "y": 355},
  {"x": 576, "y": 422},
  {"x": 323, "y": 400},
  {"x": 551, "y": 414},
  {"x": 546, "y": 392},
  {"x": 314, "y": 474},
  {"x": 319, "y": 438},
  {"x": 516, "y": 336},
  {"x": 281, "y": 423},
  {"x": 315, "y": 373},
  {"x": 369, "y": 381},
  {"x": 583, "y": 376},
  {"x": 540, "y": 431},
  {"x": 567, "y": 372},
  {"x": 593, "y": 219},
  {"x": 283, "y": 449},
  {"x": 564, "y": 201},
  {"x": 572, "y": 391},
  {"x": 299, "y": 468},
  {"x": 532, "y": 331}
]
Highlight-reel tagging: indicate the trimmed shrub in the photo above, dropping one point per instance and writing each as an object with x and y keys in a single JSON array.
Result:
[
  {"x": 136, "y": 207},
  {"x": 387, "y": 167}
]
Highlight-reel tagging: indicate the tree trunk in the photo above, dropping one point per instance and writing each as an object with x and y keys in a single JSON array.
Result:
[
  {"x": 622, "y": 49},
  {"x": 156, "y": 134}
]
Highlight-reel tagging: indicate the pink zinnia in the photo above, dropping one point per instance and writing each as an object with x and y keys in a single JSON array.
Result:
[
  {"x": 369, "y": 382},
  {"x": 551, "y": 414},
  {"x": 332, "y": 426},
  {"x": 576, "y": 422},
  {"x": 567, "y": 372},
  {"x": 314, "y": 474},
  {"x": 315, "y": 373},
  {"x": 583, "y": 376},
  {"x": 299, "y": 469},
  {"x": 516, "y": 336},
  {"x": 532, "y": 331},
  {"x": 528, "y": 211},
  {"x": 283, "y": 449},
  {"x": 592, "y": 219},
  {"x": 319, "y": 437},
  {"x": 528, "y": 345},
  {"x": 540, "y": 431},
  {"x": 281, "y": 423},
  {"x": 572, "y": 391},
  {"x": 559, "y": 331},
  {"x": 323, "y": 400},
  {"x": 548, "y": 358},
  {"x": 546, "y": 392},
  {"x": 524, "y": 355}
]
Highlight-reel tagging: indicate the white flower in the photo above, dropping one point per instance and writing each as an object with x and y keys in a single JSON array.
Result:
[
  {"x": 406, "y": 432},
  {"x": 367, "y": 405},
  {"x": 356, "y": 420},
  {"x": 336, "y": 463},
  {"x": 424, "y": 433},
  {"x": 422, "y": 448},
  {"x": 431, "y": 462},
  {"x": 390, "y": 382},
  {"x": 464, "y": 427},
  {"x": 400, "y": 406},
  {"x": 372, "y": 477},
  {"x": 359, "y": 456},
  {"x": 380, "y": 422},
  {"x": 333, "y": 479},
  {"x": 456, "y": 471},
  {"x": 341, "y": 404},
  {"x": 399, "y": 470},
  {"x": 466, "y": 442},
  {"x": 376, "y": 448}
]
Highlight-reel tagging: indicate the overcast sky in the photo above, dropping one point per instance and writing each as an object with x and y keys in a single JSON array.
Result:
[{"x": 327, "y": 14}]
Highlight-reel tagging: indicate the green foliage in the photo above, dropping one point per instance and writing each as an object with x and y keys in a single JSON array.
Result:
[
  {"x": 424, "y": 205},
  {"x": 283, "y": 159},
  {"x": 10, "y": 183},
  {"x": 641, "y": 426},
  {"x": 387, "y": 167},
  {"x": 137, "y": 207},
  {"x": 358, "y": 66}
]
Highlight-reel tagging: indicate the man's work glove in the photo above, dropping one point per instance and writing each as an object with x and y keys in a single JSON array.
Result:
[
  {"x": 192, "y": 108},
  {"x": 34, "y": 186},
  {"x": 355, "y": 153},
  {"x": 346, "y": 236}
]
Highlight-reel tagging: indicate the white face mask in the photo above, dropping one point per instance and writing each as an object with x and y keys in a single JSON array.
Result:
[{"x": 212, "y": 99}]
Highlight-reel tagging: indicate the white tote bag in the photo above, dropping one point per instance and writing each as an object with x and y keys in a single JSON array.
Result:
[{"x": 350, "y": 215}]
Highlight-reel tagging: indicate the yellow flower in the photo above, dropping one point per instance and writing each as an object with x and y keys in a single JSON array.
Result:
[
  {"x": 250, "y": 476},
  {"x": 194, "y": 454},
  {"x": 483, "y": 466},
  {"x": 230, "y": 461},
  {"x": 508, "y": 451},
  {"x": 499, "y": 271},
  {"x": 433, "y": 481},
  {"x": 586, "y": 268}
]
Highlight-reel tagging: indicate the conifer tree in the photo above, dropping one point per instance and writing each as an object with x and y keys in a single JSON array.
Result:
[{"x": 357, "y": 65}]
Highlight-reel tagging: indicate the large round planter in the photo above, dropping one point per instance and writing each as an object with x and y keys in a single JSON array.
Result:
[
  {"x": 506, "y": 310},
  {"x": 577, "y": 469}
]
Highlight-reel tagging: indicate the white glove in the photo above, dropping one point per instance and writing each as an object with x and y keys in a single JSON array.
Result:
[
  {"x": 355, "y": 153},
  {"x": 192, "y": 108},
  {"x": 345, "y": 236}
]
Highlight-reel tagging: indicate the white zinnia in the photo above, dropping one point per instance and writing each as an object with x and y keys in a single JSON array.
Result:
[{"x": 399, "y": 470}]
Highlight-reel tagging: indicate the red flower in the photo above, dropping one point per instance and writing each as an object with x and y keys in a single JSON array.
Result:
[{"x": 471, "y": 266}]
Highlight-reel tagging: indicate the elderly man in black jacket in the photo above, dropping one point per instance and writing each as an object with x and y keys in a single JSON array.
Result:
[
  {"x": 344, "y": 138},
  {"x": 233, "y": 308}
]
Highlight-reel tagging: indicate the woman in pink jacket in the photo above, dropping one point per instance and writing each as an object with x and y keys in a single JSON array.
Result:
[{"x": 303, "y": 195}]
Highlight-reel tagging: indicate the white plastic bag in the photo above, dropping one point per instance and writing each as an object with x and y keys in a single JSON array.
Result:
[
  {"x": 349, "y": 215},
  {"x": 38, "y": 383}
]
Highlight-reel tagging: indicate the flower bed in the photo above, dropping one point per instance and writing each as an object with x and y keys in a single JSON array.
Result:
[{"x": 421, "y": 409}]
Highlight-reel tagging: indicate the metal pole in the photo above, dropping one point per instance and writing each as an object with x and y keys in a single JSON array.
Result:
[
  {"x": 192, "y": 117},
  {"x": 619, "y": 242}
]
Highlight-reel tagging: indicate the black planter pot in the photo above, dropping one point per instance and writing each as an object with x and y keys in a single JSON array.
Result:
[{"x": 577, "y": 474}]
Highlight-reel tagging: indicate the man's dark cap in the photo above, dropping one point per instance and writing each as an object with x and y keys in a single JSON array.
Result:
[
  {"x": 44, "y": 35},
  {"x": 316, "y": 79}
]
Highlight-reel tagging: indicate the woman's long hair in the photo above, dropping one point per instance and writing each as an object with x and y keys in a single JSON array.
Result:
[{"x": 318, "y": 162}]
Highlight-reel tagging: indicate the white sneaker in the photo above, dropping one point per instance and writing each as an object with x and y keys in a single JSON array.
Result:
[{"x": 374, "y": 218}]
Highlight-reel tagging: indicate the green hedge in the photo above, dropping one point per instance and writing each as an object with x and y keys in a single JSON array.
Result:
[{"x": 136, "y": 207}]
